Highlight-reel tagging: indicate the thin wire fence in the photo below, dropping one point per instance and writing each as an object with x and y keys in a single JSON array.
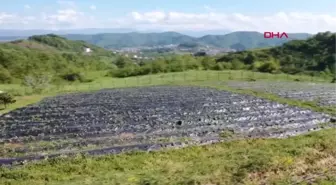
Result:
[{"x": 184, "y": 77}]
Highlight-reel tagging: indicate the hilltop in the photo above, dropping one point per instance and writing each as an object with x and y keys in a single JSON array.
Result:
[
  {"x": 235, "y": 40},
  {"x": 49, "y": 54}
]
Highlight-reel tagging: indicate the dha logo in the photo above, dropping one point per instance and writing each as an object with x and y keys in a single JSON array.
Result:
[{"x": 270, "y": 35}]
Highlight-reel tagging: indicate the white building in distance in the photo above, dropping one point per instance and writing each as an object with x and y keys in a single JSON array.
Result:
[{"x": 88, "y": 50}]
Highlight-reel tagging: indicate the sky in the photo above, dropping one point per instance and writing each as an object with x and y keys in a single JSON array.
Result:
[{"x": 308, "y": 16}]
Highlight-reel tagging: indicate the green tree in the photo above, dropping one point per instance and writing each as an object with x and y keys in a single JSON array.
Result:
[
  {"x": 250, "y": 58},
  {"x": 6, "y": 98},
  {"x": 121, "y": 62}
]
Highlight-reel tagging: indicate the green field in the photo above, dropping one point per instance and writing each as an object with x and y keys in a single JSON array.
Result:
[{"x": 297, "y": 160}]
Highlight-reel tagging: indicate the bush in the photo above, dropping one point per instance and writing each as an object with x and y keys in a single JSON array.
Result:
[
  {"x": 218, "y": 67},
  {"x": 130, "y": 70},
  {"x": 333, "y": 80},
  {"x": 75, "y": 76},
  {"x": 6, "y": 98},
  {"x": 37, "y": 83},
  {"x": 5, "y": 76},
  {"x": 72, "y": 77},
  {"x": 158, "y": 66},
  {"x": 208, "y": 63},
  {"x": 256, "y": 65},
  {"x": 227, "y": 65},
  {"x": 236, "y": 65},
  {"x": 269, "y": 67}
]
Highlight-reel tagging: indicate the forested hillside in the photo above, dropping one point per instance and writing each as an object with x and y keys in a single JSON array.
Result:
[
  {"x": 49, "y": 55},
  {"x": 314, "y": 55},
  {"x": 236, "y": 40}
]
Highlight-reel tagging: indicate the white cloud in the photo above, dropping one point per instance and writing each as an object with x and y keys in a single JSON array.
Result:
[
  {"x": 66, "y": 3},
  {"x": 208, "y": 8},
  {"x": 70, "y": 17},
  {"x": 93, "y": 7},
  {"x": 282, "y": 21},
  {"x": 6, "y": 18},
  {"x": 27, "y": 6}
]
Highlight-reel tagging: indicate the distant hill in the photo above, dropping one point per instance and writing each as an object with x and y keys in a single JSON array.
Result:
[
  {"x": 240, "y": 40},
  {"x": 10, "y": 38},
  {"x": 315, "y": 54},
  {"x": 65, "y": 45},
  {"x": 245, "y": 40},
  {"x": 133, "y": 39},
  {"x": 30, "y": 32}
]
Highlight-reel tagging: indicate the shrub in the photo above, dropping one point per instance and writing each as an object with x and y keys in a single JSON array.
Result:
[
  {"x": 74, "y": 76},
  {"x": 256, "y": 65},
  {"x": 6, "y": 98},
  {"x": 227, "y": 65},
  {"x": 269, "y": 67},
  {"x": 208, "y": 63},
  {"x": 71, "y": 77},
  {"x": 333, "y": 80},
  {"x": 37, "y": 83},
  {"x": 218, "y": 67},
  {"x": 236, "y": 64},
  {"x": 158, "y": 67},
  {"x": 5, "y": 76}
]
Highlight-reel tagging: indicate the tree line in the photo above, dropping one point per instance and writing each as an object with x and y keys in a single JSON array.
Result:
[{"x": 314, "y": 56}]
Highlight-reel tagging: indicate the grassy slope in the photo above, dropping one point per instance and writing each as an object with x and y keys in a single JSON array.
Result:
[{"x": 259, "y": 161}]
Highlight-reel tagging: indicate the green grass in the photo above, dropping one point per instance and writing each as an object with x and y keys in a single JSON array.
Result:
[
  {"x": 300, "y": 159},
  {"x": 255, "y": 161}
]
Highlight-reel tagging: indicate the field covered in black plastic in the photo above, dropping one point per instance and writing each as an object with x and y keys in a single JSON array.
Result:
[
  {"x": 323, "y": 93},
  {"x": 148, "y": 118}
]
